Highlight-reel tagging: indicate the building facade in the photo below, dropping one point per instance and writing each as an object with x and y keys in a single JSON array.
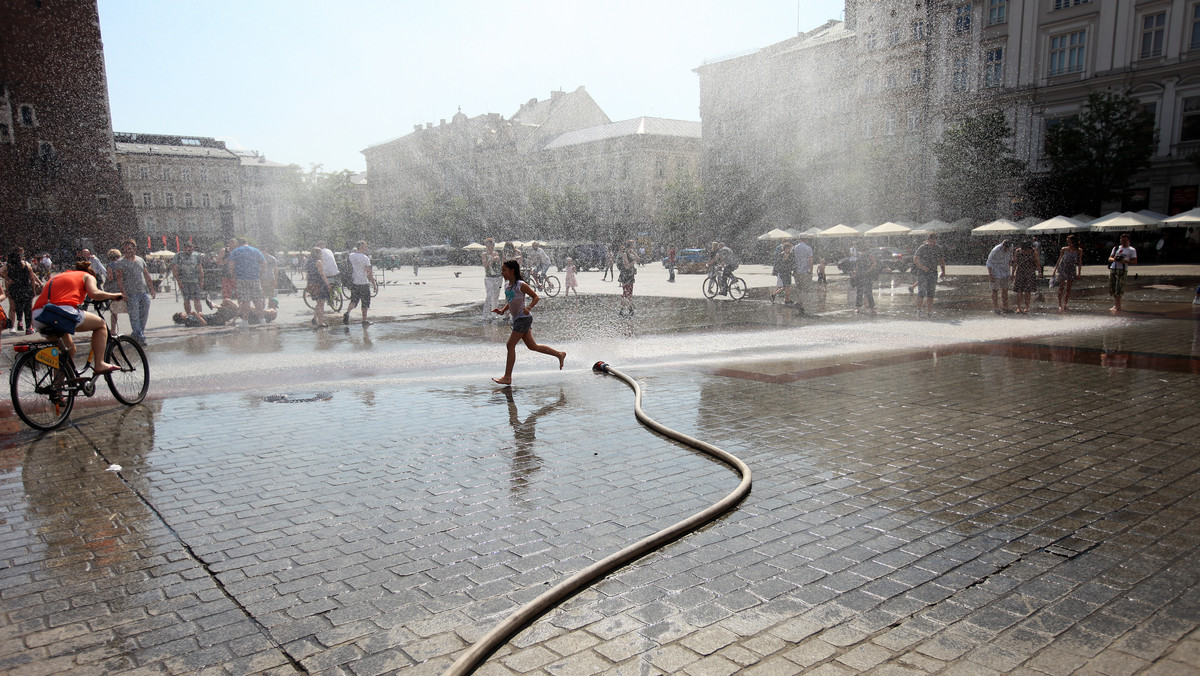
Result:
[
  {"x": 60, "y": 187},
  {"x": 493, "y": 176},
  {"x": 839, "y": 124}
]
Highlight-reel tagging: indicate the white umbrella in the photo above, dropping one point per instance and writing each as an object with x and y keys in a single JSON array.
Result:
[
  {"x": 1058, "y": 224},
  {"x": 1185, "y": 220},
  {"x": 161, "y": 253},
  {"x": 1001, "y": 226},
  {"x": 889, "y": 228},
  {"x": 840, "y": 230},
  {"x": 811, "y": 232},
  {"x": 775, "y": 234},
  {"x": 1124, "y": 221},
  {"x": 863, "y": 227},
  {"x": 474, "y": 246}
]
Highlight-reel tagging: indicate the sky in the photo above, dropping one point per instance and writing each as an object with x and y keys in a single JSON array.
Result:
[{"x": 311, "y": 82}]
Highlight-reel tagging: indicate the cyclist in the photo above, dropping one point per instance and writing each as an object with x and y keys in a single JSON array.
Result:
[
  {"x": 541, "y": 263},
  {"x": 68, "y": 290},
  {"x": 723, "y": 259}
]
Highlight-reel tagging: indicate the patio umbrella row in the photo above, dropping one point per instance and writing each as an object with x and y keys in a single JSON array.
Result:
[{"x": 1114, "y": 222}]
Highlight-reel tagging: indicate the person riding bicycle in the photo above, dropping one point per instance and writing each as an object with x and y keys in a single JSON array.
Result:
[
  {"x": 67, "y": 291},
  {"x": 726, "y": 261},
  {"x": 541, "y": 263}
]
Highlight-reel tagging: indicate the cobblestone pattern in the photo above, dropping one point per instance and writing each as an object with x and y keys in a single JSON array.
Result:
[{"x": 965, "y": 514}]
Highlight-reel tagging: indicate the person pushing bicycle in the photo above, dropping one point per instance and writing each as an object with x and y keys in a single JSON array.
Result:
[{"x": 66, "y": 292}]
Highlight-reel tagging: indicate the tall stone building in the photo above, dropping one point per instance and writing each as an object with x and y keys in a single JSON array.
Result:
[
  {"x": 838, "y": 124},
  {"x": 472, "y": 177},
  {"x": 60, "y": 187}
]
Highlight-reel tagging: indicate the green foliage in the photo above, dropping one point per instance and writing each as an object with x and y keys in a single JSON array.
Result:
[
  {"x": 1096, "y": 155},
  {"x": 568, "y": 215},
  {"x": 328, "y": 207},
  {"x": 734, "y": 205},
  {"x": 679, "y": 211},
  {"x": 976, "y": 167}
]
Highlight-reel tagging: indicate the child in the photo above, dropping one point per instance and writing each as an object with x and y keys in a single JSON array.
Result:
[
  {"x": 571, "y": 281},
  {"x": 515, "y": 291},
  {"x": 821, "y": 272}
]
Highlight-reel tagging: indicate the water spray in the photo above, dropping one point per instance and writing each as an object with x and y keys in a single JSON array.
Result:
[{"x": 551, "y": 598}]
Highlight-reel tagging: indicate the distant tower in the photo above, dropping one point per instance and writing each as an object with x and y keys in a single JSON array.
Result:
[{"x": 59, "y": 185}]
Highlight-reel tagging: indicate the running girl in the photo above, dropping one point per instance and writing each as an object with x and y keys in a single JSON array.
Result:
[{"x": 515, "y": 291}]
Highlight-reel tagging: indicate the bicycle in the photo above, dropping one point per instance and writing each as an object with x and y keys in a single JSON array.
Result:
[
  {"x": 45, "y": 380},
  {"x": 713, "y": 286},
  {"x": 337, "y": 297},
  {"x": 547, "y": 284}
]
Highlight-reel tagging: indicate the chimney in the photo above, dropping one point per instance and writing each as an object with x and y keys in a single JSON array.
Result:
[
  {"x": 416, "y": 127},
  {"x": 429, "y": 125},
  {"x": 554, "y": 95}
]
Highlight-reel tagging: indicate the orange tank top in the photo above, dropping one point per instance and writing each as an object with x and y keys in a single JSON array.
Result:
[{"x": 69, "y": 288}]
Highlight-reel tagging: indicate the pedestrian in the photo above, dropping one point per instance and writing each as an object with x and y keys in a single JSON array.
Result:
[
  {"x": 136, "y": 287},
  {"x": 866, "y": 267},
  {"x": 188, "y": 272},
  {"x": 782, "y": 267},
  {"x": 515, "y": 292},
  {"x": 416, "y": 263},
  {"x": 608, "y": 264},
  {"x": 268, "y": 279},
  {"x": 317, "y": 285},
  {"x": 1068, "y": 269},
  {"x": 928, "y": 258},
  {"x": 627, "y": 268},
  {"x": 1026, "y": 266},
  {"x": 98, "y": 267},
  {"x": 999, "y": 267},
  {"x": 246, "y": 263},
  {"x": 362, "y": 282},
  {"x": 512, "y": 253},
  {"x": 228, "y": 281},
  {"x": 115, "y": 307},
  {"x": 672, "y": 263},
  {"x": 571, "y": 284},
  {"x": 492, "y": 279},
  {"x": 329, "y": 266},
  {"x": 22, "y": 283},
  {"x": 821, "y": 272},
  {"x": 802, "y": 253},
  {"x": 1119, "y": 260}
]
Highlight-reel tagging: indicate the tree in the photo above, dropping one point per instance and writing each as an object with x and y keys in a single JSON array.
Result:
[
  {"x": 976, "y": 167},
  {"x": 679, "y": 210},
  {"x": 1097, "y": 154},
  {"x": 733, "y": 204},
  {"x": 328, "y": 207}
]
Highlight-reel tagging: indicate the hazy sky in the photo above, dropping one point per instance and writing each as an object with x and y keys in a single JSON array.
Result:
[{"x": 316, "y": 81}]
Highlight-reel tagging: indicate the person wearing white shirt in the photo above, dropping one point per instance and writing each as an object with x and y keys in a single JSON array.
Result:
[
  {"x": 1119, "y": 260},
  {"x": 362, "y": 282},
  {"x": 999, "y": 267}
]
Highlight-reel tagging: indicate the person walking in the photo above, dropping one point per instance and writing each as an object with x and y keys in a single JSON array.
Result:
[
  {"x": 317, "y": 285},
  {"x": 627, "y": 267},
  {"x": 515, "y": 291},
  {"x": 188, "y": 272},
  {"x": 1119, "y": 260},
  {"x": 492, "y": 279},
  {"x": 136, "y": 287},
  {"x": 362, "y": 283},
  {"x": 927, "y": 259},
  {"x": 1026, "y": 265},
  {"x": 672, "y": 263},
  {"x": 783, "y": 266},
  {"x": 98, "y": 267},
  {"x": 1068, "y": 269},
  {"x": 571, "y": 283},
  {"x": 866, "y": 266},
  {"x": 999, "y": 267},
  {"x": 608, "y": 264},
  {"x": 115, "y": 307},
  {"x": 245, "y": 262},
  {"x": 22, "y": 284},
  {"x": 802, "y": 253}
]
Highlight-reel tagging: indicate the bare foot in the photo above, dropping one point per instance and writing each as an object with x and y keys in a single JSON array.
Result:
[
  {"x": 562, "y": 357},
  {"x": 1114, "y": 309},
  {"x": 502, "y": 381}
]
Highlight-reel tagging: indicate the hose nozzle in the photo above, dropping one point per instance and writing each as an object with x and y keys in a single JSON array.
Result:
[{"x": 600, "y": 367}]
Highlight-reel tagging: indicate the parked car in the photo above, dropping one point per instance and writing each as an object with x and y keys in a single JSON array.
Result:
[
  {"x": 889, "y": 258},
  {"x": 690, "y": 261}
]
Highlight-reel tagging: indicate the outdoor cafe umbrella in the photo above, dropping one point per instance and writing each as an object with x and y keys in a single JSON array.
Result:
[
  {"x": 840, "y": 230},
  {"x": 161, "y": 253},
  {"x": 474, "y": 246},
  {"x": 1124, "y": 221},
  {"x": 889, "y": 228},
  {"x": 775, "y": 234},
  {"x": 1058, "y": 225},
  {"x": 811, "y": 232},
  {"x": 1001, "y": 226},
  {"x": 1185, "y": 220}
]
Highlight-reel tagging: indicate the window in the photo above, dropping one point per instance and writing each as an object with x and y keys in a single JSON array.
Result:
[
  {"x": 151, "y": 223},
  {"x": 1190, "y": 127},
  {"x": 917, "y": 76},
  {"x": 891, "y": 81},
  {"x": 1051, "y": 125},
  {"x": 997, "y": 12},
  {"x": 1063, "y": 4},
  {"x": 868, "y": 129},
  {"x": 168, "y": 199},
  {"x": 1067, "y": 52},
  {"x": 870, "y": 84},
  {"x": 147, "y": 199},
  {"x": 1153, "y": 27},
  {"x": 889, "y": 124},
  {"x": 918, "y": 30},
  {"x": 144, "y": 172},
  {"x": 958, "y": 79},
  {"x": 993, "y": 70},
  {"x": 1195, "y": 41},
  {"x": 5, "y": 133},
  {"x": 962, "y": 19},
  {"x": 166, "y": 173},
  {"x": 187, "y": 199},
  {"x": 25, "y": 113},
  {"x": 914, "y": 120},
  {"x": 205, "y": 200},
  {"x": 893, "y": 37},
  {"x": 870, "y": 42},
  {"x": 226, "y": 198},
  {"x": 204, "y": 175},
  {"x": 185, "y": 174},
  {"x": 46, "y": 151},
  {"x": 102, "y": 203}
]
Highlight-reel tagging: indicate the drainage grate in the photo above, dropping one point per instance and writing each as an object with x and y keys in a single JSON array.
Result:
[{"x": 298, "y": 398}]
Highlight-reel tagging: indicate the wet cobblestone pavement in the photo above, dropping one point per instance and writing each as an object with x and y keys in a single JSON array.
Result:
[{"x": 1025, "y": 505}]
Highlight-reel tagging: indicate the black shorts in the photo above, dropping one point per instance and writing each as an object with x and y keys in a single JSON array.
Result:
[
  {"x": 522, "y": 324},
  {"x": 360, "y": 293}
]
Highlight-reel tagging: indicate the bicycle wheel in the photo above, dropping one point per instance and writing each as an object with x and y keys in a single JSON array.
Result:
[
  {"x": 128, "y": 385},
  {"x": 374, "y": 290},
  {"x": 710, "y": 287},
  {"x": 312, "y": 305},
  {"x": 36, "y": 398},
  {"x": 552, "y": 286},
  {"x": 336, "y": 299},
  {"x": 737, "y": 288}
]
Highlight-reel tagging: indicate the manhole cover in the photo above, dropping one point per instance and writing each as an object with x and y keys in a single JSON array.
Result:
[{"x": 298, "y": 398}]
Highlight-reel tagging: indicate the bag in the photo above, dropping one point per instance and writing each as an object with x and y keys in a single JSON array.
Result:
[{"x": 58, "y": 318}]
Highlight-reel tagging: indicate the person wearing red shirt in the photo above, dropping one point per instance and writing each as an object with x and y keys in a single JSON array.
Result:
[{"x": 69, "y": 289}]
